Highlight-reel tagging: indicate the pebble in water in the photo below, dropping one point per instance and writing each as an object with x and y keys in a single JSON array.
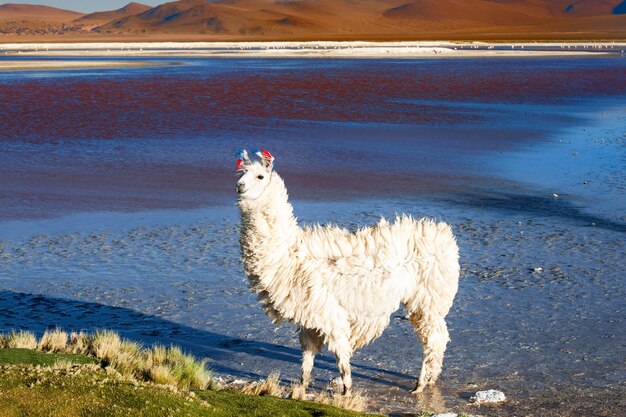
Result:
[{"x": 488, "y": 396}]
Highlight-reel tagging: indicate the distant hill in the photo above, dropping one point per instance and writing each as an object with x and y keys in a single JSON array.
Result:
[
  {"x": 370, "y": 18},
  {"x": 100, "y": 18},
  {"x": 16, "y": 12},
  {"x": 339, "y": 19},
  {"x": 27, "y": 19}
]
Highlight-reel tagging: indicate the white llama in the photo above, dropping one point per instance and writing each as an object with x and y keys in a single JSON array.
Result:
[{"x": 340, "y": 287}]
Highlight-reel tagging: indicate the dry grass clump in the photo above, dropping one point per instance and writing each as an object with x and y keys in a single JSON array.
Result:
[
  {"x": 129, "y": 359},
  {"x": 53, "y": 341},
  {"x": 79, "y": 342},
  {"x": 21, "y": 340},
  {"x": 269, "y": 386},
  {"x": 168, "y": 366},
  {"x": 157, "y": 355},
  {"x": 189, "y": 372},
  {"x": 161, "y": 374},
  {"x": 104, "y": 345},
  {"x": 355, "y": 402},
  {"x": 298, "y": 392}
]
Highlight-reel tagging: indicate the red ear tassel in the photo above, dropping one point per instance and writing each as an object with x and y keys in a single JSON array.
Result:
[
  {"x": 239, "y": 165},
  {"x": 267, "y": 154}
]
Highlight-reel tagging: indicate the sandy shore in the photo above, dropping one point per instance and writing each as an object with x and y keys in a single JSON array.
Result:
[
  {"x": 51, "y": 64},
  {"x": 319, "y": 49}
]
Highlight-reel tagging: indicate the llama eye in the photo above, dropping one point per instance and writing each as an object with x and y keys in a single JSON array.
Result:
[{"x": 260, "y": 177}]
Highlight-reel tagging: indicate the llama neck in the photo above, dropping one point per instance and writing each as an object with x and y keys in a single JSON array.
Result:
[{"x": 269, "y": 229}]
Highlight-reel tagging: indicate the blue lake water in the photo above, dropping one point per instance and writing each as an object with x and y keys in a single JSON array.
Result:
[{"x": 117, "y": 207}]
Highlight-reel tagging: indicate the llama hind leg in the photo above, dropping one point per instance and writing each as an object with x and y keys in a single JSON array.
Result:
[
  {"x": 343, "y": 352},
  {"x": 311, "y": 344},
  {"x": 343, "y": 362},
  {"x": 433, "y": 332}
]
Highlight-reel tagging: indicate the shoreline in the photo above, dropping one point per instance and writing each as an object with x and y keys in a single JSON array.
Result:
[
  {"x": 61, "y": 65},
  {"x": 316, "y": 49}
]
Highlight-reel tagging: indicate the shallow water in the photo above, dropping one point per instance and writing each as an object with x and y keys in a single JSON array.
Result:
[{"x": 117, "y": 210}]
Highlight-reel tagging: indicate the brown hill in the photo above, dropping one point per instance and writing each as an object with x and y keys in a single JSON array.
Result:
[
  {"x": 100, "y": 18},
  {"x": 30, "y": 12},
  {"x": 27, "y": 19},
  {"x": 201, "y": 16},
  {"x": 343, "y": 19},
  {"x": 468, "y": 14},
  {"x": 368, "y": 19}
]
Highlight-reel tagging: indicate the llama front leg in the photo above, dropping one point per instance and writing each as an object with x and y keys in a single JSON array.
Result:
[
  {"x": 433, "y": 332},
  {"x": 311, "y": 344}
]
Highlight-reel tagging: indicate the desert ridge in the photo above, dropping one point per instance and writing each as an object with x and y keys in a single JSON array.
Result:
[
  {"x": 12, "y": 11},
  {"x": 38, "y": 20},
  {"x": 372, "y": 20},
  {"x": 100, "y": 18}
]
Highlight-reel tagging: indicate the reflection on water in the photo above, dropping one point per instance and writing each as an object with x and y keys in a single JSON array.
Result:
[
  {"x": 482, "y": 144},
  {"x": 111, "y": 139}
]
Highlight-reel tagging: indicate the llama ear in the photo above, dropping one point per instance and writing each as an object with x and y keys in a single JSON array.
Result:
[
  {"x": 243, "y": 155},
  {"x": 242, "y": 159},
  {"x": 267, "y": 154},
  {"x": 266, "y": 157}
]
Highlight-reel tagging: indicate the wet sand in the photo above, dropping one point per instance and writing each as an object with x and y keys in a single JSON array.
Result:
[{"x": 532, "y": 335}]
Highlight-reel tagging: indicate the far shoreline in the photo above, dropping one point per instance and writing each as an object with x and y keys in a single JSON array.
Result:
[{"x": 313, "y": 49}]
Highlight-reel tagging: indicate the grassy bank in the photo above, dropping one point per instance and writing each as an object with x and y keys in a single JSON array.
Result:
[
  {"x": 36, "y": 383},
  {"x": 88, "y": 390}
]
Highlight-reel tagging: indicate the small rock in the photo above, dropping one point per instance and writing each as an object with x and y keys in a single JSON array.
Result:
[
  {"x": 445, "y": 415},
  {"x": 488, "y": 396}
]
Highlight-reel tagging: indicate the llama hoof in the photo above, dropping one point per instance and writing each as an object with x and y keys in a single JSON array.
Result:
[{"x": 418, "y": 389}]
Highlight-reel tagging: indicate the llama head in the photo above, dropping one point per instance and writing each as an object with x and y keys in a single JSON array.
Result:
[{"x": 255, "y": 173}]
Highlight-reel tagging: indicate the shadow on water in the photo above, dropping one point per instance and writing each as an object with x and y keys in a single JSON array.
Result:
[
  {"x": 539, "y": 206},
  {"x": 36, "y": 313}
]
